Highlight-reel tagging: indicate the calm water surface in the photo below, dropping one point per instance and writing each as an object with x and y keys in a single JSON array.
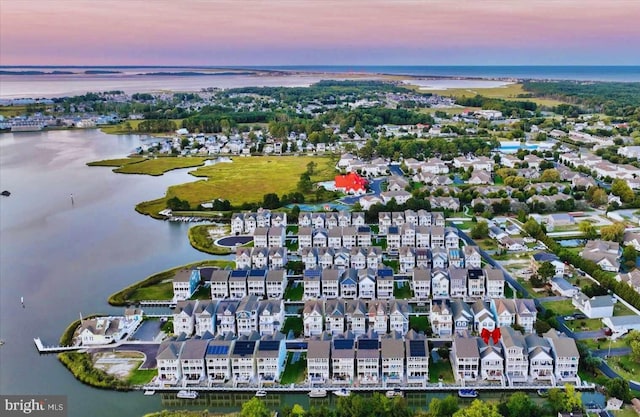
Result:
[{"x": 67, "y": 259}]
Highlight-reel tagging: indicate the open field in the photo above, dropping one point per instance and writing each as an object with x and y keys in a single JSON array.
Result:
[
  {"x": 12, "y": 111},
  {"x": 202, "y": 238},
  {"x": 122, "y": 129},
  {"x": 244, "y": 180},
  {"x": 562, "y": 308},
  {"x": 159, "y": 166},
  {"x": 585, "y": 325},
  {"x": 508, "y": 92},
  {"x": 120, "y": 162},
  {"x": 626, "y": 367}
]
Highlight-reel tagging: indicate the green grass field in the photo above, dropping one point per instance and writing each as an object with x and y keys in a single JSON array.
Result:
[
  {"x": 115, "y": 162},
  {"x": 294, "y": 371},
  {"x": 562, "y": 308},
  {"x": 589, "y": 324},
  {"x": 121, "y": 129},
  {"x": 440, "y": 369},
  {"x": 620, "y": 309},
  {"x": 200, "y": 239},
  {"x": 625, "y": 367},
  {"x": 244, "y": 180},
  {"x": 142, "y": 376},
  {"x": 12, "y": 111},
  {"x": 508, "y": 92},
  {"x": 159, "y": 166}
]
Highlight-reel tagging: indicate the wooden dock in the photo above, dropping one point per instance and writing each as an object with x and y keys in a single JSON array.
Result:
[{"x": 53, "y": 349}]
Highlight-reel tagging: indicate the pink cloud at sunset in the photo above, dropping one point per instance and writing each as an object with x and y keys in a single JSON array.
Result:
[{"x": 239, "y": 32}]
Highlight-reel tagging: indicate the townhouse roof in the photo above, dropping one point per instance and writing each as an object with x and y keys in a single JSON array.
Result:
[
  {"x": 194, "y": 349},
  {"x": 466, "y": 347}
]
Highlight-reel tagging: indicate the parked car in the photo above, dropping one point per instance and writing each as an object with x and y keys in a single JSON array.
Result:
[
  {"x": 567, "y": 318},
  {"x": 580, "y": 316}
]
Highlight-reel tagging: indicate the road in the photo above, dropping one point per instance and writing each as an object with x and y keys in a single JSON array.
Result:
[
  {"x": 395, "y": 170},
  {"x": 375, "y": 185},
  {"x": 602, "y": 353}
]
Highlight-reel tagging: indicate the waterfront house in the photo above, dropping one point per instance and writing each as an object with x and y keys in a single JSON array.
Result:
[
  {"x": 243, "y": 364},
  {"x": 349, "y": 284},
  {"x": 247, "y": 315},
  {"x": 439, "y": 257},
  {"x": 394, "y": 240},
  {"x": 565, "y": 357},
  {"x": 494, "y": 282},
  {"x": 441, "y": 318},
  {"x": 256, "y": 282},
  {"x": 238, "y": 284},
  {"x": 305, "y": 237},
  {"x": 101, "y": 330},
  {"x": 184, "y": 318},
  {"x": 458, "y": 282},
  {"x": 311, "y": 283},
  {"x": 423, "y": 258},
  {"x": 270, "y": 316},
  {"x": 350, "y": 237},
  {"x": 491, "y": 362},
  {"x": 263, "y": 218},
  {"x": 437, "y": 236},
  {"x": 261, "y": 237},
  {"x": 185, "y": 283},
  {"x": 392, "y": 355},
  {"x": 482, "y": 317},
  {"x": 476, "y": 283},
  {"x": 364, "y": 236},
  {"x": 540, "y": 358},
  {"x": 374, "y": 257},
  {"x": 465, "y": 358},
  {"x": 205, "y": 317},
  {"x": 377, "y": 318},
  {"x": 192, "y": 361},
  {"x": 277, "y": 258},
  {"x": 312, "y": 317},
  {"x": 384, "y": 283},
  {"x": 270, "y": 357},
  {"x": 423, "y": 236},
  {"x": 367, "y": 283},
  {"x": 330, "y": 283},
  {"x": 526, "y": 314},
  {"x": 226, "y": 317},
  {"x": 384, "y": 222},
  {"x": 462, "y": 316},
  {"x": 220, "y": 284},
  {"x": 276, "y": 283},
  {"x": 455, "y": 258},
  {"x": 318, "y": 361},
  {"x": 343, "y": 358},
  {"x": 399, "y": 316},
  {"x": 368, "y": 358},
  {"x": 516, "y": 356},
  {"x": 439, "y": 283},
  {"x": 417, "y": 355},
  {"x": 421, "y": 283},
  {"x": 237, "y": 223},
  {"x": 408, "y": 235},
  {"x": 342, "y": 258},
  {"x": 356, "y": 316},
  {"x": 335, "y": 316},
  {"x": 504, "y": 310},
  {"x": 407, "y": 258},
  {"x": 218, "y": 360},
  {"x": 168, "y": 362},
  {"x": 334, "y": 238},
  {"x": 320, "y": 238},
  {"x": 318, "y": 220},
  {"x": 309, "y": 257},
  {"x": 276, "y": 236},
  {"x": 259, "y": 258},
  {"x": 357, "y": 219},
  {"x": 451, "y": 238}
]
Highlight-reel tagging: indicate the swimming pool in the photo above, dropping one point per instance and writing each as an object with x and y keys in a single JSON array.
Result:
[{"x": 512, "y": 147}]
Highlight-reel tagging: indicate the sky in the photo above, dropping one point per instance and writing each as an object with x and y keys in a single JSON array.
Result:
[{"x": 319, "y": 32}]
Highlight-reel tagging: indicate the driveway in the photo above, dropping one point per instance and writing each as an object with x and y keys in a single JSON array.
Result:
[
  {"x": 552, "y": 298},
  {"x": 150, "y": 351},
  {"x": 601, "y": 353},
  {"x": 395, "y": 170},
  {"x": 148, "y": 331},
  {"x": 593, "y": 334}
]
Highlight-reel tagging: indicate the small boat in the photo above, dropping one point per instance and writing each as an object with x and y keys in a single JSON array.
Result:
[
  {"x": 342, "y": 392},
  {"x": 543, "y": 392},
  {"x": 393, "y": 393},
  {"x": 6, "y": 193},
  {"x": 317, "y": 393},
  {"x": 467, "y": 393},
  {"x": 261, "y": 393},
  {"x": 149, "y": 392},
  {"x": 187, "y": 394}
]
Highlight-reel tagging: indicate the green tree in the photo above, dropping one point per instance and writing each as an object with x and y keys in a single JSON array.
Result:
[
  {"x": 550, "y": 175},
  {"x": 520, "y": 404},
  {"x": 597, "y": 196},
  {"x": 480, "y": 230},
  {"x": 255, "y": 407},
  {"x": 588, "y": 229},
  {"x": 297, "y": 411},
  {"x": 621, "y": 189},
  {"x": 630, "y": 254},
  {"x": 618, "y": 388},
  {"x": 633, "y": 339},
  {"x": 270, "y": 201},
  {"x": 532, "y": 227},
  {"x": 445, "y": 407},
  {"x": 546, "y": 271},
  {"x": 478, "y": 408}
]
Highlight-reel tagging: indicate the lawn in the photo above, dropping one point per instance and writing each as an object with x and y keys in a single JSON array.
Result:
[
  {"x": 294, "y": 372},
  {"x": 200, "y": 239},
  {"x": 294, "y": 291},
  {"x": 508, "y": 291},
  {"x": 595, "y": 344},
  {"x": 159, "y": 166},
  {"x": 244, "y": 180},
  {"x": 142, "y": 376},
  {"x": 12, "y": 111},
  {"x": 419, "y": 323},
  {"x": 627, "y": 411},
  {"x": 162, "y": 291},
  {"x": 293, "y": 323},
  {"x": 620, "y": 309},
  {"x": 625, "y": 367},
  {"x": 486, "y": 244},
  {"x": 116, "y": 162},
  {"x": 441, "y": 369},
  {"x": 533, "y": 292},
  {"x": 561, "y": 308},
  {"x": 402, "y": 291},
  {"x": 508, "y": 92},
  {"x": 585, "y": 325},
  {"x": 202, "y": 293},
  {"x": 120, "y": 129}
]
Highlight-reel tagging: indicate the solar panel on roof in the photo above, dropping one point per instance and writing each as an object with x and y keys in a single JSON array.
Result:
[
  {"x": 416, "y": 348},
  {"x": 257, "y": 272},
  {"x": 386, "y": 272},
  {"x": 368, "y": 344},
  {"x": 343, "y": 344},
  {"x": 244, "y": 348},
  {"x": 394, "y": 229},
  {"x": 217, "y": 350},
  {"x": 312, "y": 273},
  {"x": 269, "y": 345},
  {"x": 364, "y": 229},
  {"x": 238, "y": 273}
]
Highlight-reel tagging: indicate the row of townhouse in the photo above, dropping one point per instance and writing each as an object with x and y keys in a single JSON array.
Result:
[
  {"x": 516, "y": 358},
  {"x": 350, "y": 283},
  {"x": 451, "y": 317},
  {"x": 239, "y": 283},
  {"x": 473, "y": 282},
  {"x": 422, "y": 236},
  {"x": 337, "y": 237},
  {"x": 330, "y": 220},
  {"x": 269, "y": 237},
  {"x": 399, "y": 218},
  {"x": 369, "y": 359},
  {"x": 220, "y": 317},
  {"x": 603, "y": 168},
  {"x": 410, "y": 258},
  {"x": 249, "y": 358},
  {"x": 357, "y": 316},
  {"x": 438, "y": 166},
  {"x": 356, "y": 257},
  {"x": 247, "y": 223},
  {"x": 261, "y": 258}
]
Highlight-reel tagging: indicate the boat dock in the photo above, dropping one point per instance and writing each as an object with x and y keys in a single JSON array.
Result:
[{"x": 53, "y": 349}]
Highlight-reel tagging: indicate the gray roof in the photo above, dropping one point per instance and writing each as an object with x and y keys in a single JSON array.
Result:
[
  {"x": 564, "y": 347},
  {"x": 601, "y": 301},
  {"x": 273, "y": 306},
  {"x": 466, "y": 347},
  {"x": 318, "y": 349},
  {"x": 249, "y": 303},
  {"x": 101, "y": 325},
  {"x": 187, "y": 306},
  {"x": 276, "y": 275},
  {"x": 183, "y": 275},
  {"x": 460, "y": 309},
  {"x": 512, "y": 338},
  {"x": 220, "y": 276},
  {"x": 334, "y": 307},
  {"x": 421, "y": 274},
  {"x": 493, "y": 274},
  {"x": 194, "y": 349},
  {"x": 169, "y": 350},
  {"x": 231, "y": 305},
  {"x": 392, "y": 348}
]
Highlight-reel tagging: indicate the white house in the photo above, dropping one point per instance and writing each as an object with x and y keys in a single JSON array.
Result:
[{"x": 595, "y": 307}]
